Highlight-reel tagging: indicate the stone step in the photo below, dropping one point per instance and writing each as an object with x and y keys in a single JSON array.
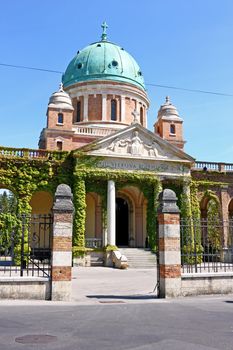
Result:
[
  {"x": 96, "y": 261},
  {"x": 139, "y": 258}
]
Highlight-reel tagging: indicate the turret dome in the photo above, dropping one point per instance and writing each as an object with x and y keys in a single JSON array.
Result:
[
  {"x": 103, "y": 60},
  {"x": 168, "y": 111},
  {"x": 60, "y": 99}
]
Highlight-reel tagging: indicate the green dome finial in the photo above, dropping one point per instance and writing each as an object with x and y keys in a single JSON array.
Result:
[{"x": 104, "y": 34}]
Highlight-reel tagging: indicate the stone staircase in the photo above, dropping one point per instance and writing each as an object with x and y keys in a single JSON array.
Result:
[{"x": 139, "y": 258}]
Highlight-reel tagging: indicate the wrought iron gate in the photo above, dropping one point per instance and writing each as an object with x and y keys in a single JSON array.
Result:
[{"x": 25, "y": 245}]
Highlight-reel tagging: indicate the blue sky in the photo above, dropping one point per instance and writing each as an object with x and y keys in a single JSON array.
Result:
[{"x": 183, "y": 43}]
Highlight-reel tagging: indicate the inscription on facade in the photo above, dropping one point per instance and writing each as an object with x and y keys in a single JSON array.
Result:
[{"x": 125, "y": 164}]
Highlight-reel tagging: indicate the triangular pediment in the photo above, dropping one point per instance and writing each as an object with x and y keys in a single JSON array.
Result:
[{"x": 136, "y": 142}]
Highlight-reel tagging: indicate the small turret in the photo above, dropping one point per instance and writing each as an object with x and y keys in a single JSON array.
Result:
[
  {"x": 59, "y": 121},
  {"x": 169, "y": 124}
]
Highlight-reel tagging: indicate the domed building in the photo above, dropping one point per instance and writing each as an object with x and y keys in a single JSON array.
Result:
[
  {"x": 101, "y": 110},
  {"x": 104, "y": 85}
]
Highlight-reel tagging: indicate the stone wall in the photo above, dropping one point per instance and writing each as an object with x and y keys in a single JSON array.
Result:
[
  {"x": 206, "y": 283},
  {"x": 25, "y": 288}
]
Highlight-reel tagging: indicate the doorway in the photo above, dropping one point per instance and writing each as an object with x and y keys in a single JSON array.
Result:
[{"x": 122, "y": 222}]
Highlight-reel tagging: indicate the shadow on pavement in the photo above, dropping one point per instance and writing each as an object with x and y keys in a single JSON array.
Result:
[{"x": 128, "y": 297}]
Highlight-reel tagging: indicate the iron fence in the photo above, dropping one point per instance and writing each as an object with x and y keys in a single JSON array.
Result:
[
  {"x": 25, "y": 245},
  {"x": 206, "y": 245}
]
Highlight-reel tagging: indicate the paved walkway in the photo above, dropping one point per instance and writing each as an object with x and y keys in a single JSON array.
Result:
[{"x": 108, "y": 285}]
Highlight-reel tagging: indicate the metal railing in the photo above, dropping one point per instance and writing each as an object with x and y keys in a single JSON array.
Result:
[
  {"x": 206, "y": 246},
  {"x": 93, "y": 243},
  {"x": 213, "y": 166},
  {"x": 25, "y": 246}
]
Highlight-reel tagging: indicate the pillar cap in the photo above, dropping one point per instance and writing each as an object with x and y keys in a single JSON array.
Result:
[
  {"x": 167, "y": 202},
  {"x": 63, "y": 199}
]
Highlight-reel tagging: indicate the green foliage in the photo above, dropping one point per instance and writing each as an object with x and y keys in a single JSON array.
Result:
[
  {"x": 8, "y": 224},
  {"x": 79, "y": 192},
  {"x": 110, "y": 248},
  {"x": 192, "y": 254},
  {"x": 213, "y": 228},
  {"x": 24, "y": 176},
  {"x": 8, "y": 202},
  {"x": 195, "y": 205}
]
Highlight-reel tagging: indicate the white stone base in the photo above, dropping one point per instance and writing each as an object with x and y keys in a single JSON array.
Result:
[
  {"x": 206, "y": 283},
  {"x": 25, "y": 288},
  {"x": 61, "y": 291},
  {"x": 170, "y": 287}
]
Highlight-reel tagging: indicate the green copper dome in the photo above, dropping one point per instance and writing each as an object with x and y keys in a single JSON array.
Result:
[{"x": 103, "y": 60}]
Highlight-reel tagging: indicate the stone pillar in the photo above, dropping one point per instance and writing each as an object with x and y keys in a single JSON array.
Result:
[
  {"x": 169, "y": 245},
  {"x": 85, "y": 108},
  {"x": 111, "y": 214},
  {"x": 104, "y": 107},
  {"x": 62, "y": 244},
  {"x": 122, "y": 108},
  {"x": 226, "y": 253}
]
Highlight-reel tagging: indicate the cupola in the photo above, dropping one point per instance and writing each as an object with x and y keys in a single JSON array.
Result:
[{"x": 169, "y": 124}]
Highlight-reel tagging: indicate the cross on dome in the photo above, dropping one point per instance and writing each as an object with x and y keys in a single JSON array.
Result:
[
  {"x": 104, "y": 34},
  {"x": 61, "y": 87}
]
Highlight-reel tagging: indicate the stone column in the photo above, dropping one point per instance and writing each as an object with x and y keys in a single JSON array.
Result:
[
  {"x": 111, "y": 214},
  {"x": 62, "y": 244},
  {"x": 169, "y": 245},
  {"x": 226, "y": 253},
  {"x": 85, "y": 108},
  {"x": 122, "y": 108},
  {"x": 104, "y": 107}
]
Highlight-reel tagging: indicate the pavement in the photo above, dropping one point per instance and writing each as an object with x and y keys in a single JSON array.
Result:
[
  {"x": 103, "y": 284},
  {"x": 117, "y": 310}
]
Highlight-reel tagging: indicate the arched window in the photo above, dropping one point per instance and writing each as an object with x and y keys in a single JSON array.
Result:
[
  {"x": 172, "y": 129},
  {"x": 78, "y": 115},
  {"x": 59, "y": 145},
  {"x": 141, "y": 115},
  {"x": 60, "y": 118},
  {"x": 230, "y": 210},
  {"x": 113, "y": 110}
]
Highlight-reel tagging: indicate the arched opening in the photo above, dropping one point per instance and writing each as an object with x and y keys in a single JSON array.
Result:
[
  {"x": 172, "y": 129},
  {"x": 8, "y": 202},
  {"x": 59, "y": 145},
  {"x": 78, "y": 115},
  {"x": 122, "y": 222},
  {"x": 113, "y": 110},
  {"x": 211, "y": 228},
  {"x": 141, "y": 115},
  {"x": 41, "y": 202},
  {"x": 40, "y": 237},
  {"x": 230, "y": 210},
  {"x": 90, "y": 217},
  {"x": 8, "y": 226},
  {"x": 60, "y": 118}
]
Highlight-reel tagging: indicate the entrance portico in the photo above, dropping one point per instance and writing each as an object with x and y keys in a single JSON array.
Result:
[{"x": 126, "y": 179}]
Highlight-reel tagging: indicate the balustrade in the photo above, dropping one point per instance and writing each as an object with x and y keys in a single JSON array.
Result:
[
  {"x": 213, "y": 166},
  {"x": 30, "y": 153}
]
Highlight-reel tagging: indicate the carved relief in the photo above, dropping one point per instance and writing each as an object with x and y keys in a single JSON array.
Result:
[{"x": 135, "y": 146}]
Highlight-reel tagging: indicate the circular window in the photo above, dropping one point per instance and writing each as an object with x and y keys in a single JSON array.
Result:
[
  {"x": 79, "y": 65},
  {"x": 114, "y": 63},
  {"x": 139, "y": 73}
]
